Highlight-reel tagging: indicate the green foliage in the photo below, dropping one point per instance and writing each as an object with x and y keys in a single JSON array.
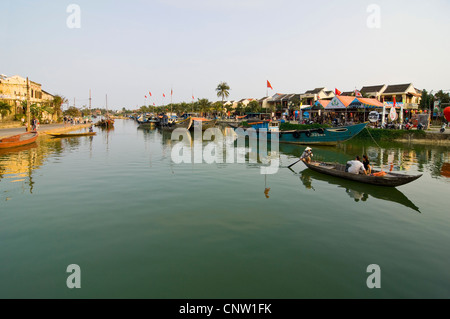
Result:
[
  {"x": 427, "y": 101},
  {"x": 299, "y": 127},
  {"x": 253, "y": 107},
  {"x": 72, "y": 111},
  {"x": 389, "y": 135},
  {"x": 5, "y": 108}
]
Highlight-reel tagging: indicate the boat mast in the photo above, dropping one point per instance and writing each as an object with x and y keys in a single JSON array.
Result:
[
  {"x": 90, "y": 111},
  {"x": 107, "y": 113},
  {"x": 28, "y": 107}
]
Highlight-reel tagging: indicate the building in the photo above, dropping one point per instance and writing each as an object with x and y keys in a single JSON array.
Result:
[
  {"x": 373, "y": 92},
  {"x": 403, "y": 93},
  {"x": 311, "y": 96},
  {"x": 13, "y": 90}
]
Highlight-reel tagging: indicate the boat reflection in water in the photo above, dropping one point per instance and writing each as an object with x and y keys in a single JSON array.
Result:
[{"x": 358, "y": 191}]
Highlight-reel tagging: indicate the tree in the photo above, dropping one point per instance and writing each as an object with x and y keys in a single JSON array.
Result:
[
  {"x": 5, "y": 109},
  {"x": 253, "y": 106},
  {"x": 204, "y": 105},
  {"x": 223, "y": 91},
  {"x": 72, "y": 111},
  {"x": 443, "y": 98},
  {"x": 427, "y": 100},
  {"x": 58, "y": 101}
]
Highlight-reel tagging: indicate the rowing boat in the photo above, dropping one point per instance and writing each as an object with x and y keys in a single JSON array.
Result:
[
  {"x": 389, "y": 179},
  {"x": 19, "y": 140},
  {"x": 205, "y": 124},
  {"x": 72, "y": 134}
]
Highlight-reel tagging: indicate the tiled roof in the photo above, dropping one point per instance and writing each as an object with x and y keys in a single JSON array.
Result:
[
  {"x": 399, "y": 88},
  {"x": 371, "y": 89},
  {"x": 315, "y": 91}
]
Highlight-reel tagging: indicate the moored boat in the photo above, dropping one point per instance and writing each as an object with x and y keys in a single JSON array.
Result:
[
  {"x": 170, "y": 126},
  {"x": 19, "y": 140},
  {"x": 389, "y": 179},
  {"x": 72, "y": 134},
  {"x": 315, "y": 136},
  {"x": 203, "y": 122}
]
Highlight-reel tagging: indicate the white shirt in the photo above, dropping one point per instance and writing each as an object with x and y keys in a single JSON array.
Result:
[
  {"x": 355, "y": 167},
  {"x": 306, "y": 154}
]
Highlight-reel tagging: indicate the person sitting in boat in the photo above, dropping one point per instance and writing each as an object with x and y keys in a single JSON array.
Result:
[
  {"x": 306, "y": 156},
  {"x": 366, "y": 163},
  {"x": 355, "y": 166},
  {"x": 91, "y": 129}
]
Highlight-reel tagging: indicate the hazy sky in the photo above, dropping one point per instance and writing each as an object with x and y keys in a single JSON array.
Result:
[{"x": 127, "y": 48}]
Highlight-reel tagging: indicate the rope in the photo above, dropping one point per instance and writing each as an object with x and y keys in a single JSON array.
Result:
[
  {"x": 372, "y": 137},
  {"x": 377, "y": 145}
]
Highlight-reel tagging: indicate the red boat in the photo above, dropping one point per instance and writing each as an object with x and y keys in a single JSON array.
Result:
[{"x": 19, "y": 140}]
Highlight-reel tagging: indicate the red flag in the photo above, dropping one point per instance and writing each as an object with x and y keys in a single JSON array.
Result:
[
  {"x": 358, "y": 94},
  {"x": 395, "y": 102},
  {"x": 153, "y": 104},
  {"x": 193, "y": 97},
  {"x": 164, "y": 95},
  {"x": 337, "y": 92},
  {"x": 171, "y": 92},
  {"x": 150, "y": 93},
  {"x": 146, "y": 96},
  {"x": 269, "y": 85}
]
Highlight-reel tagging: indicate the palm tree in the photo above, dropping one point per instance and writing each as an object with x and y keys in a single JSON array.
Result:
[
  {"x": 223, "y": 91},
  {"x": 58, "y": 101},
  {"x": 5, "y": 108}
]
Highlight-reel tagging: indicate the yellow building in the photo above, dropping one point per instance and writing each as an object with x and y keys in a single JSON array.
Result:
[{"x": 13, "y": 90}]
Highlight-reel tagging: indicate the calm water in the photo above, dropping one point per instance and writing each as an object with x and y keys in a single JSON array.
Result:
[{"x": 141, "y": 226}]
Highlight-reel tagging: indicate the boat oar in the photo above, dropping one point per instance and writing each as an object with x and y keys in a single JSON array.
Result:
[{"x": 294, "y": 164}]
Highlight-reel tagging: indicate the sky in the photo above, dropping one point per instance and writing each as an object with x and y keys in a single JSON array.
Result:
[{"x": 126, "y": 49}]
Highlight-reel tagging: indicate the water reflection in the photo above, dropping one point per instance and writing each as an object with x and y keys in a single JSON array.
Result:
[
  {"x": 358, "y": 191},
  {"x": 17, "y": 165}
]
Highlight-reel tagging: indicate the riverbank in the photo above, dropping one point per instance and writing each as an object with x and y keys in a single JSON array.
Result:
[
  {"x": 432, "y": 136},
  {"x": 43, "y": 129}
]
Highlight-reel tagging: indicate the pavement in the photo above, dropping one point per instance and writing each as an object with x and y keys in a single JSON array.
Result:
[{"x": 44, "y": 128}]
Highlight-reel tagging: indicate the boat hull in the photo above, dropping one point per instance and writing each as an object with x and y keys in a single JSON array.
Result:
[
  {"x": 186, "y": 124},
  {"x": 328, "y": 136},
  {"x": 18, "y": 140},
  {"x": 72, "y": 134},
  {"x": 338, "y": 170}
]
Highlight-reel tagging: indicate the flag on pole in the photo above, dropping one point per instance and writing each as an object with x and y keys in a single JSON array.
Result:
[
  {"x": 164, "y": 95},
  {"x": 337, "y": 92},
  {"x": 146, "y": 96},
  {"x": 150, "y": 93},
  {"x": 269, "y": 86},
  {"x": 358, "y": 94}
]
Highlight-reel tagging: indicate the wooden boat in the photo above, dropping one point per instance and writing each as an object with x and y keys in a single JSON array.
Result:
[
  {"x": 363, "y": 191},
  {"x": 390, "y": 179},
  {"x": 168, "y": 126},
  {"x": 108, "y": 123},
  {"x": 19, "y": 140},
  {"x": 320, "y": 136},
  {"x": 72, "y": 134},
  {"x": 204, "y": 123}
]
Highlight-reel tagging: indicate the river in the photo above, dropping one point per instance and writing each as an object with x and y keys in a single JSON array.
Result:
[{"x": 139, "y": 225}]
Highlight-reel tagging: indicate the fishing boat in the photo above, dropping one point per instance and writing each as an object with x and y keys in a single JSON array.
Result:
[
  {"x": 357, "y": 190},
  {"x": 170, "y": 126},
  {"x": 19, "y": 140},
  {"x": 315, "y": 136},
  {"x": 379, "y": 178},
  {"x": 107, "y": 122},
  {"x": 72, "y": 134},
  {"x": 203, "y": 122}
]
